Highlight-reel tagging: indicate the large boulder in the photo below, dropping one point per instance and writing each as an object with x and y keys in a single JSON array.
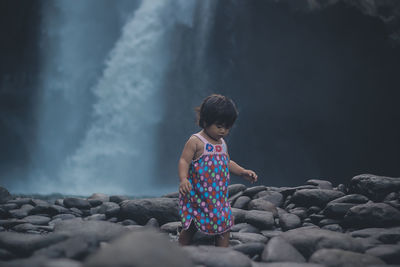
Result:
[
  {"x": 309, "y": 240},
  {"x": 141, "y": 210},
  {"x": 315, "y": 197},
  {"x": 372, "y": 215},
  {"x": 142, "y": 248},
  {"x": 373, "y": 186}
]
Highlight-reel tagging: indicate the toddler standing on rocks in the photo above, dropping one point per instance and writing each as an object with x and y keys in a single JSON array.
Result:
[{"x": 204, "y": 168}]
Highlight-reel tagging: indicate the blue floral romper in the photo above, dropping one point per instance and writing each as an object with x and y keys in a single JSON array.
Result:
[{"x": 207, "y": 203}]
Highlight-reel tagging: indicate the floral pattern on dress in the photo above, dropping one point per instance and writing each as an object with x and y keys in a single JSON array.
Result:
[{"x": 207, "y": 203}]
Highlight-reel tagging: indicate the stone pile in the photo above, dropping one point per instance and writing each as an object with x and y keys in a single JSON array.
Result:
[{"x": 315, "y": 224}]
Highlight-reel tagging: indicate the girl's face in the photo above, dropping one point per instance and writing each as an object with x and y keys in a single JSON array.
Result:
[{"x": 216, "y": 131}]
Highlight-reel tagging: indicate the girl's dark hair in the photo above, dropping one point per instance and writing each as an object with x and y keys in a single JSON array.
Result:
[{"x": 216, "y": 109}]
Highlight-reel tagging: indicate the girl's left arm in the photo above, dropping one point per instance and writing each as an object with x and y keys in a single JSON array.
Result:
[{"x": 236, "y": 169}]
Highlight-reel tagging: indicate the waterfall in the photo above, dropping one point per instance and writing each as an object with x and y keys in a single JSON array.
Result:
[{"x": 114, "y": 152}]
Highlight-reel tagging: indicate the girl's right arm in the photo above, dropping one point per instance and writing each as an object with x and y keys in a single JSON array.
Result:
[{"x": 183, "y": 166}]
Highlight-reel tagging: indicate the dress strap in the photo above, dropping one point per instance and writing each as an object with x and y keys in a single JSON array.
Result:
[{"x": 201, "y": 138}]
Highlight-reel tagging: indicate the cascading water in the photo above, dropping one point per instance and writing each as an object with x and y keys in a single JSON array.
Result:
[{"x": 115, "y": 154}]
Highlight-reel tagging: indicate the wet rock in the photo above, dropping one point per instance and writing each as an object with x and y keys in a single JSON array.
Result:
[
  {"x": 241, "y": 202},
  {"x": 372, "y": 215},
  {"x": 262, "y": 204},
  {"x": 373, "y": 186},
  {"x": 79, "y": 203},
  {"x": 233, "y": 189},
  {"x": 118, "y": 199},
  {"x": 99, "y": 196},
  {"x": 261, "y": 219},
  {"x": 37, "y": 219},
  {"x": 250, "y": 248},
  {"x": 278, "y": 250},
  {"x": 318, "y": 197},
  {"x": 309, "y": 240},
  {"x": 322, "y": 184},
  {"x": 171, "y": 227},
  {"x": 24, "y": 244},
  {"x": 339, "y": 257},
  {"x": 102, "y": 230},
  {"x": 389, "y": 235},
  {"x": 211, "y": 256},
  {"x": 135, "y": 249},
  {"x": 274, "y": 197},
  {"x": 388, "y": 253},
  {"x": 289, "y": 221},
  {"x": 249, "y": 237},
  {"x": 141, "y": 210},
  {"x": 251, "y": 191},
  {"x": 245, "y": 228}
]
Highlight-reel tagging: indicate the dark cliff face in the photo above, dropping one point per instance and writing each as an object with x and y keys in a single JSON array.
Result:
[
  {"x": 316, "y": 91},
  {"x": 18, "y": 77}
]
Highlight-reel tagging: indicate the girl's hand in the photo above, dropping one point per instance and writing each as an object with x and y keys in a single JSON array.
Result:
[
  {"x": 185, "y": 186},
  {"x": 250, "y": 175}
]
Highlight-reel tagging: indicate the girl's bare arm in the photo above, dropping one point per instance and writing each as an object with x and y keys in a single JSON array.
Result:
[{"x": 186, "y": 158}]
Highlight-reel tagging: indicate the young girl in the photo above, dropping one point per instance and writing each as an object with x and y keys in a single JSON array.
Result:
[{"x": 204, "y": 169}]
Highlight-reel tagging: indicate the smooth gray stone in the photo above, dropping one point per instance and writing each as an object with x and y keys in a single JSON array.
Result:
[
  {"x": 300, "y": 212},
  {"x": 233, "y": 189},
  {"x": 239, "y": 215},
  {"x": 352, "y": 198},
  {"x": 11, "y": 222},
  {"x": 96, "y": 217},
  {"x": 232, "y": 199},
  {"x": 262, "y": 204},
  {"x": 99, "y": 196},
  {"x": 61, "y": 263},
  {"x": 339, "y": 257},
  {"x": 129, "y": 222},
  {"x": 289, "y": 221},
  {"x": 118, "y": 199},
  {"x": 388, "y": 253},
  {"x": 245, "y": 228},
  {"x": 20, "y": 201},
  {"x": 140, "y": 249},
  {"x": 24, "y": 227},
  {"x": 285, "y": 264},
  {"x": 308, "y": 240},
  {"x": 51, "y": 210},
  {"x": 37, "y": 219},
  {"x": 278, "y": 250},
  {"x": 373, "y": 186},
  {"x": 6, "y": 255},
  {"x": 317, "y": 197},
  {"x": 323, "y": 184},
  {"x": 249, "y": 237},
  {"x": 77, "y": 247},
  {"x": 333, "y": 227},
  {"x": 24, "y": 244},
  {"x": 385, "y": 235},
  {"x": 141, "y": 210},
  {"x": 251, "y": 191},
  {"x": 79, "y": 203},
  {"x": 372, "y": 215},
  {"x": 102, "y": 230},
  {"x": 241, "y": 202},
  {"x": 250, "y": 249},
  {"x": 152, "y": 222},
  {"x": 18, "y": 213},
  {"x": 263, "y": 220},
  {"x": 271, "y": 233},
  {"x": 212, "y": 256},
  {"x": 9, "y": 206},
  {"x": 324, "y": 222},
  {"x": 171, "y": 227},
  {"x": 337, "y": 210},
  {"x": 274, "y": 197},
  {"x": 95, "y": 202},
  {"x": 64, "y": 216},
  {"x": 110, "y": 209}
]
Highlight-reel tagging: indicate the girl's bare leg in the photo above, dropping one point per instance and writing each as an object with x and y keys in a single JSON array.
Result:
[
  {"x": 222, "y": 240},
  {"x": 185, "y": 237}
]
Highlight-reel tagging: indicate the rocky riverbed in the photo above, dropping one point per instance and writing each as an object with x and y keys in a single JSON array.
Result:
[{"x": 314, "y": 224}]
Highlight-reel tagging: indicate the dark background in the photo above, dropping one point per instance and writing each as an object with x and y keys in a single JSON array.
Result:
[{"x": 317, "y": 91}]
